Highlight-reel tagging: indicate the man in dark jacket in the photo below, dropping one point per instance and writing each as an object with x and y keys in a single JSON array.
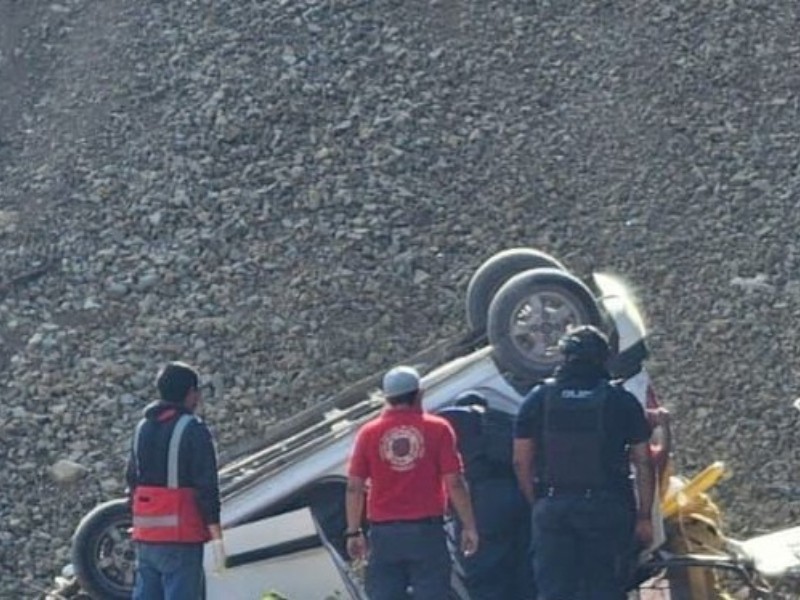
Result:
[
  {"x": 500, "y": 569},
  {"x": 575, "y": 438},
  {"x": 174, "y": 491}
]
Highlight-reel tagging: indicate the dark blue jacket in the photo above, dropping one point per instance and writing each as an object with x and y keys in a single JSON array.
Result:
[{"x": 197, "y": 459}]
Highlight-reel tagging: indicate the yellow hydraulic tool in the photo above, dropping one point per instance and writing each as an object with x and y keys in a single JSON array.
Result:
[{"x": 683, "y": 498}]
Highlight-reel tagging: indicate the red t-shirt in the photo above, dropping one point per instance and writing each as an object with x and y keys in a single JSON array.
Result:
[{"x": 404, "y": 454}]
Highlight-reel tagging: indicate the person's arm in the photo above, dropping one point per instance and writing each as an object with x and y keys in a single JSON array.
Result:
[
  {"x": 640, "y": 432},
  {"x": 205, "y": 481},
  {"x": 132, "y": 467},
  {"x": 524, "y": 460},
  {"x": 355, "y": 497},
  {"x": 452, "y": 469},
  {"x": 637, "y": 433},
  {"x": 130, "y": 477},
  {"x": 526, "y": 426},
  {"x": 458, "y": 493},
  {"x": 215, "y": 531},
  {"x": 661, "y": 438},
  {"x": 645, "y": 492},
  {"x": 354, "y": 504},
  {"x": 204, "y": 478}
]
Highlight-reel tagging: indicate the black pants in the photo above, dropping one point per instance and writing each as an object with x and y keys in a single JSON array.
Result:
[
  {"x": 408, "y": 555},
  {"x": 501, "y": 568},
  {"x": 582, "y": 546}
]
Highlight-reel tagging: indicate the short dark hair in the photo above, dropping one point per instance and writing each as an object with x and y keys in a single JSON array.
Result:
[
  {"x": 175, "y": 380},
  {"x": 403, "y": 399}
]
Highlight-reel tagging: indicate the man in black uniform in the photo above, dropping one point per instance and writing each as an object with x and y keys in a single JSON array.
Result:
[
  {"x": 576, "y": 436},
  {"x": 500, "y": 569}
]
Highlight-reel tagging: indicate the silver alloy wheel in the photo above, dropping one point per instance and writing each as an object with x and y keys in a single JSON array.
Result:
[
  {"x": 114, "y": 555},
  {"x": 539, "y": 320}
]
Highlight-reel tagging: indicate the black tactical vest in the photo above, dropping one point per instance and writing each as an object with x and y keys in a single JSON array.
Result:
[
  {"x": 573, "y": 438},
  {"x": 485, "y": 440}
]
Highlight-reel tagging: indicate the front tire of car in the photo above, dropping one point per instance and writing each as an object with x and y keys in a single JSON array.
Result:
[{"x": 102, "y": 551}]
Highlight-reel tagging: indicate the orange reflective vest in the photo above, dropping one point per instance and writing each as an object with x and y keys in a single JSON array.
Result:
[{"x": 169, "y": 513}]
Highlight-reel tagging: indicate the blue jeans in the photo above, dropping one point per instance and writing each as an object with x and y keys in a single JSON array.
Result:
[
  {"x": 582, "y": 546},
  {"x": 169, "y": 572},
  {"x": 407, "y": 555}
]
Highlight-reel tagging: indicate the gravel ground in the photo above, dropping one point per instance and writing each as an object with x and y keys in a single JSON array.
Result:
[{"x": 293, "y": 195}]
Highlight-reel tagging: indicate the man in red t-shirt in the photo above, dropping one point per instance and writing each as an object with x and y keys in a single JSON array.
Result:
[{"x": 411, "y": 463}]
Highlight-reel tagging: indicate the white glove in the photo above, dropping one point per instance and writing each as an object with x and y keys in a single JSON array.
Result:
[{"x": 218, "y": 552}]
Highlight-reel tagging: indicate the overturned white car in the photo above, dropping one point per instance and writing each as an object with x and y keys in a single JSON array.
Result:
[{"x": 283, "y": 504}]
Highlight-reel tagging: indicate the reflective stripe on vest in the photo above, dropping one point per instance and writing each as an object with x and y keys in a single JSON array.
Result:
[
  {"x": 172, "y": 453},
  {"x": 174, "y": 446},
  {"x": 164, "y": 521},
  {"x": 167, "y": 513}
]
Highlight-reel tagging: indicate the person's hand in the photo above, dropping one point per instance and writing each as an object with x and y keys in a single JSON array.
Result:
[
  {"x": 644, "y": 531},
  {"x": 357, "y": 547},
  {"x": 469, "y": 541},
  {"x": 218, "y": 553},
  {"x": 658, "y": 417}
]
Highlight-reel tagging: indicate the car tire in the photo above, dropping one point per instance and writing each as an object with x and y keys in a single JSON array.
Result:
[
  {"x": 493, "y": 273},
  {"x": 102, "y": 536},
  {"x": 524, "y": 334}
]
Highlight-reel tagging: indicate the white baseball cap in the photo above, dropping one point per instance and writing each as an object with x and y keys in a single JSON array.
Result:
[{"x": 399, "y": 381}]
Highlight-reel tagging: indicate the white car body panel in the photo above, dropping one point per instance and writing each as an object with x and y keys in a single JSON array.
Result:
[
  {"x": 777, "y": 554},
  {"x": 309, "y": 574},
  {"x": 619, "y": 303},
  {"x": 638, "y": 386}
]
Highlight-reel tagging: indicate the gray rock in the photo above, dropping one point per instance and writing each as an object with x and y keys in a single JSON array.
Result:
[
  {"x": 146, "y": 282},
  {"x": 117, "y": 289},
  {"x": 67, "y": 471},
  {"x": 90, "y": 304},
  {"x": 128, "y": 400}
]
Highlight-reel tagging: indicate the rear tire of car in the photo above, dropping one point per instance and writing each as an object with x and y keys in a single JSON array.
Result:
[
  {"x": 493, "y": 273},
  {"x": 529, "y": 314},
  {"x": 103, "y": 533}
]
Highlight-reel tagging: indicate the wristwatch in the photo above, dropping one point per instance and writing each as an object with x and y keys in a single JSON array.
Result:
[{"x": 352, "y": 534}]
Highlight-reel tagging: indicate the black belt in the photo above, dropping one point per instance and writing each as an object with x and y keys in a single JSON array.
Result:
[
  {"x": 549, "y": 491},
  {"x": 424, "y": 521}
]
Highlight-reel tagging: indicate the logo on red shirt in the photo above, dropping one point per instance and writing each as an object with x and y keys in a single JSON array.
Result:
[{"x": 402, "y": 446}]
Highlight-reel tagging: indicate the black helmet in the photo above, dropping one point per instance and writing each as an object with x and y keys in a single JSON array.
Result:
[{"x": 585, "y": 344}]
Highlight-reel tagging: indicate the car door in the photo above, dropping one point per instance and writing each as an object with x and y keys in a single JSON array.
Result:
[{"x": 289, "y": 551}]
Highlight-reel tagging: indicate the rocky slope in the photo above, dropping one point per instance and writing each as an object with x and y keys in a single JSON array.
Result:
[{"x": 293, "y": 194}]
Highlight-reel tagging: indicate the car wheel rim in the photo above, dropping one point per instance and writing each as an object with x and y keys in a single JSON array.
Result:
[
  {"x": 537, "y": 323},
  {"x": 114, "y": 556}
]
